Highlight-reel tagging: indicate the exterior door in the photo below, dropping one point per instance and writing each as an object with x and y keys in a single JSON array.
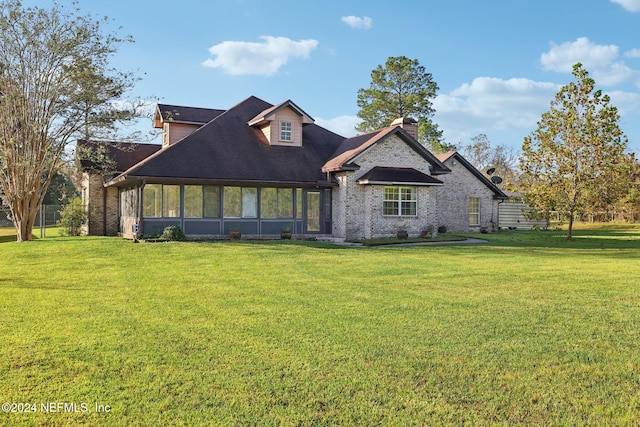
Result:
[{"x": 312, "y": 212}]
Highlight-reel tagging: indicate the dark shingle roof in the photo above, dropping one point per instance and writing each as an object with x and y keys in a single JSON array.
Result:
[
  {"x": 227, "y": 149},
  {"x": 393, "y": 175},
  {"x": 352, "y": 147},
  {"x": 180, "y": 114},
  {"x": 288, "y": 103},
  {"x": 122, "y": 154}
]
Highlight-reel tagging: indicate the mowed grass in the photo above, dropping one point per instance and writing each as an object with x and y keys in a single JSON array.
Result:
[{"x": 526, "y": 329}]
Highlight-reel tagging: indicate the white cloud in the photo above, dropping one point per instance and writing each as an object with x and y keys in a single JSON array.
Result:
[
  {"x": 627, "y": 103},
  {"x": 562, "y": 57},
  {"x": 239, "y": 58},
  {"x": 633, "y": 53},
  {"x": 360, "y": 23},
  {"x": 487, "y": 105},
  {"x": 630, "y": 5},
  {"x": 342, "y": 125},
  {"x": 601, "y": 61}
]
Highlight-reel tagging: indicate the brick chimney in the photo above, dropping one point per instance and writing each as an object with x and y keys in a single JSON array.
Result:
[{"x": 409, "y": 124}]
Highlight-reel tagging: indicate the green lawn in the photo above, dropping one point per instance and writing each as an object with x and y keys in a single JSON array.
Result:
[{"x": 526, "y": 329}]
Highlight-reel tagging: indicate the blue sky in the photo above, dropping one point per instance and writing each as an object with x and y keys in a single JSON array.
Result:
[{"x": 498, "y": 63}]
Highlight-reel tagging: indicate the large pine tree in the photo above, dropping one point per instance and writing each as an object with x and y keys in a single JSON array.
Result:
[{"x": 400, "y": 88}]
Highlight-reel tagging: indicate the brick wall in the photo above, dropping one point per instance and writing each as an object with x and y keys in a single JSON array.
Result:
[
  {"x": 357, "y": 208},
  {"x": 453, "y": 200},
  {"x": 94, "y": 196}
]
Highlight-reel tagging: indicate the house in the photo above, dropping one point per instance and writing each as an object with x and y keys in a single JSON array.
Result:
[
  {"x": 103, "y": 203},
  {"x": 261, "y": 168},
  {"x": 468, "y": 201}
]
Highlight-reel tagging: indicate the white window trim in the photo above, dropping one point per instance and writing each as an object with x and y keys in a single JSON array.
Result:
[
  {"x": 289, "y": 131},
  {"x": 400, "y": 202}
]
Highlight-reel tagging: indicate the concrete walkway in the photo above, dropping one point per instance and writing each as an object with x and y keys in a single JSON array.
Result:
[
  {"x": 342, "y": 242},
  {"x": 468, "y": 241}
]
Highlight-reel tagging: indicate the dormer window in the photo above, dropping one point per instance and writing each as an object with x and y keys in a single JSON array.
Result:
[
  {"x": 285, "y": 131},
  {"x": 282, "y": 124}
]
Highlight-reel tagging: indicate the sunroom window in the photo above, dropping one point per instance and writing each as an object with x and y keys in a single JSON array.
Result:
[
  {"x": 240, "y": 202},
  {"x": 276, "y": 203}
]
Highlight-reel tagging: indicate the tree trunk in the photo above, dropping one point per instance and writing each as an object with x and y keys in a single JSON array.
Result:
[
  {"x": 24, "y": 218},
  {"x": 570, "y": 231}
]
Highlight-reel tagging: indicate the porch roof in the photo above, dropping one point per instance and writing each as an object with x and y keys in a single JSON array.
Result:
[{"x": 381, "y": 175}]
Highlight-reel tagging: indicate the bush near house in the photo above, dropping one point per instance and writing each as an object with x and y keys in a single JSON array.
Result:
[
  {"x": 72, "y": 217},
  {"x": 527, "y": 329}
]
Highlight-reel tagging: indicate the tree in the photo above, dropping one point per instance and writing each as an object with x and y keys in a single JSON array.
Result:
[
  {"x": 483, "y": 156},
  {"x": 61, "y": 190},
  {"x": 430, "y": 135},
  {"x": 400, "y": 88},
  {"x": 55, "y": 86},
  {"x": 576, "y": 157}
]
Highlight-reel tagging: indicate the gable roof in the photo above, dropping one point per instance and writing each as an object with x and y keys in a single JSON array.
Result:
[
  {"x": 443, "y": 157},
  {"x": 187, "y": 115},
  {"x": 351, "y": 148},
  {"x": 227, "y": 150},
  {"x": 269, "y": 113}
]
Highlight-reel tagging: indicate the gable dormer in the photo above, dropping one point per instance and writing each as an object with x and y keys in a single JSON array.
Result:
[
  {"x": 177, "y": 122},
  {"x": 282, "y": 124}
]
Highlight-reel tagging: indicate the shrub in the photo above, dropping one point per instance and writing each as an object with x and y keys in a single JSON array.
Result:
[
  {"x": 442, "y": 229},
  {"x": 72, "y": 217},
  {"x": 173, "y": 232}
]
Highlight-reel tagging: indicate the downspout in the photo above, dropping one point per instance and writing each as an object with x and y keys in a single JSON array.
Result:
[
  {"x": 501, "y": 201},
  {"x": 139, "y": 218}
]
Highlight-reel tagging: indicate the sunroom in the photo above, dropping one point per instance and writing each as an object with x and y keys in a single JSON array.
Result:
[{"x": 214, "y": 210}]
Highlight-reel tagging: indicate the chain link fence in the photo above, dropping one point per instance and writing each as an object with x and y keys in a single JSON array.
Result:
[
  {"x": 48, "y": 216},
  {"x": 628, "y": 217}
]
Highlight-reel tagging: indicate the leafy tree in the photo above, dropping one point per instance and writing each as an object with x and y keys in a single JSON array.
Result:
[
  {"x": 629, "y": 205},
  {"x": 72, "y": 217},
  {"x": 483, "y": 155},
  {"x": 400, "y": 88},
  {"x": 576, "y": 157},
  {"x": 61, "y": 190},
  {"x": 430, "y": 135},
  {"x": 55, "y": 86}
]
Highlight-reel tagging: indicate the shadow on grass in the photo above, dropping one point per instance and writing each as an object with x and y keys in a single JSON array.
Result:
[
  {"x": 582, "y": 239},
  {"x": 7, "y": 238}
]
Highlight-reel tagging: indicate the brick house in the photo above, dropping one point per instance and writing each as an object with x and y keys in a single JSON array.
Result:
[
  {"x": 468, "y": 201},
  {"x": 262, "y": 168}
]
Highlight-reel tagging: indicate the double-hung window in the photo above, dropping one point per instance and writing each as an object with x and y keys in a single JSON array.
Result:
[
  {"x": 285, "y": 131},
  {"x": 400, "y": 201}
]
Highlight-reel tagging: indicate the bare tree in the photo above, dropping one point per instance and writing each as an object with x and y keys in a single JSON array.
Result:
[{"x": 501, "y": 158}]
